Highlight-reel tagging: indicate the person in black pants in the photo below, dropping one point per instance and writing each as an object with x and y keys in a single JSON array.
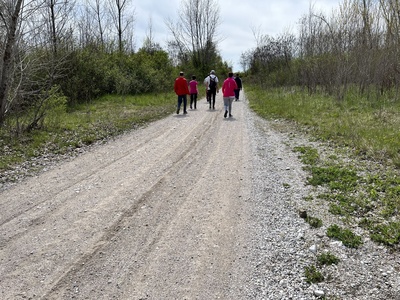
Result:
[
  {"x": 211, "y": 82},
  {"x": 239, "y": 87}
]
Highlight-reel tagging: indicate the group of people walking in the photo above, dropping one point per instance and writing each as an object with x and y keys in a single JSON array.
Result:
[{"x": 230, "y": 91}]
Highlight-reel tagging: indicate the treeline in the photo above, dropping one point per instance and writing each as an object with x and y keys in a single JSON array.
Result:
[
  {"x": 56, "y": 54},
  {"x": 356, "y": 48}
]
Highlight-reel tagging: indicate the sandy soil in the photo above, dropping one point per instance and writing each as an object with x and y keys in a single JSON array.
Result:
[{"x": 159, "y": 213}]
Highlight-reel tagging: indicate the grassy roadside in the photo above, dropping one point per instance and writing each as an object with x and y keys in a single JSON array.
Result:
[
  {"x": 83, "y": 125},
  {"x": 362, "y": 188},
  {"x": 369, "y": 126}
]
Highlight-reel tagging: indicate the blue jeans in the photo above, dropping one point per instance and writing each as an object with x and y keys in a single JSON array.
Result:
[{"x": 182, "y": 98}]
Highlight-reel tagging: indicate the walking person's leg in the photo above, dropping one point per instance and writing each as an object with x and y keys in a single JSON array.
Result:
[
  {"x": 179, "y": 104},
  {"x": 236, "y": 94},
  {"x": 184, "y": 104},
  {"x": 191, "y": 100},
  {"x": 230, "y": 105},
  {"x": 226, "y": 106},
  {"x": 195, "y": 101},
  {"x": 213, "y": 95}
]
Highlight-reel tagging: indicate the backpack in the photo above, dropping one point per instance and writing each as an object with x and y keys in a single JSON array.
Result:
[{"x": 213, "y": 84}]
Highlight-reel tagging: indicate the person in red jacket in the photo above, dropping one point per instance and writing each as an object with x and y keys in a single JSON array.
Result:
[
  {"x": 182, "y": 90},
  {"x": 228, "y": 92}
]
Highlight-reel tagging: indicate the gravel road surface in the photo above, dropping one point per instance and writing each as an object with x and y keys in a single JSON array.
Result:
[{"x": 193, "y": 206}]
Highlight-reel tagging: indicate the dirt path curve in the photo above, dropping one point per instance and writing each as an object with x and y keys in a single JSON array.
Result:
[{"x": 159, "y": 213}]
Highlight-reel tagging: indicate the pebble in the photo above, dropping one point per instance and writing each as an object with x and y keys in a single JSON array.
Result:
[
  {"x": 314, "y": 248},
  {"x": 319, "y": 293}
]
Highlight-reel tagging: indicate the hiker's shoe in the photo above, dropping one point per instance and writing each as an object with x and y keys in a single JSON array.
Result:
[
  {"x": 177, "y": 111},
  {"x": 225, "y": 114},
  {"x": 230, "y": 116}
]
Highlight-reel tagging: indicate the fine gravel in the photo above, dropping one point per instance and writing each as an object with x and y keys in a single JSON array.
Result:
[{"x": 193, "y": 206}]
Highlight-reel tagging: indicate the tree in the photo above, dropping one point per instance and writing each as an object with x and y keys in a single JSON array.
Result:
[
  {"x": 195, "y": 34},
  {"x": 10, "y": 16},
  {"x": 122, "y": 22},
  {"x": 149, "y": 44},
  {"x": 93, "y": 24}
]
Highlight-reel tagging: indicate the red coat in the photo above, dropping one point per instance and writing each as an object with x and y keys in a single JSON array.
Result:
[{"x": 181, "y": 86}]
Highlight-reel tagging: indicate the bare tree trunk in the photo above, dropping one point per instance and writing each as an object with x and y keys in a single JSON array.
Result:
[
  {"x": 99, "y": 22},
  {"x": 118, "y": 12},
  {"x": 53, "y": 26},
  {"x": 7, "y": 61}
]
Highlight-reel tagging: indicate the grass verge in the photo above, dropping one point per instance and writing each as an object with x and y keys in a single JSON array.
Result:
[
  {"x": 363, "y": 186},
  {"x": 369, "y": 126}
]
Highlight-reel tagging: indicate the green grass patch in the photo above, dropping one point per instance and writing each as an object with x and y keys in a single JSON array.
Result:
[
  {"x": 336, "y": 177},
  {"x": 308, "y": 156},
  {"x": 314, "y": 222},
  {"x": 313, "y": 275},
  {"x": 371, "y": 198},
  {"x": 327, "y": 259},
  {"x": 387, "y": 234},
  {"x": 348, "y": 238}
]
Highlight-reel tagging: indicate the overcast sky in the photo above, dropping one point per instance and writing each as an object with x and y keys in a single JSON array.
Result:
[{"x": 238, "y": 18}]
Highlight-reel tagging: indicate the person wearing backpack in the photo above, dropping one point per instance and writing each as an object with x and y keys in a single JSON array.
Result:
[
  {"x": 211, "y": 82},
  {"x": 182, "y": 90}
]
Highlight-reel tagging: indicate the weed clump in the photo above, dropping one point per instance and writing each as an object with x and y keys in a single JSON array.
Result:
[
  {"x": 313, "y": 275},
  {"x": 346, "y": 236}
]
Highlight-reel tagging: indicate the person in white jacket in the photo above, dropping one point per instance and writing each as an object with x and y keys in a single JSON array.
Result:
[{"x": 211, "y": 83}]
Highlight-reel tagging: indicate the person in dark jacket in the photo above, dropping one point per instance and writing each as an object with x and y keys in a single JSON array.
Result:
[
  {"x": 182, "y": 90},
  {"x": 239, "y": 87}
]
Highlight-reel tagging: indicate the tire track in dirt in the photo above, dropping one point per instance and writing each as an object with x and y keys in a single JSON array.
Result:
[
  {"x": 78, "y": 212},
  {"x": 168, "y": 203}
]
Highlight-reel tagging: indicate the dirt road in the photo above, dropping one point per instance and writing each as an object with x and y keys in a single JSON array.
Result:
[
  {"x": 193, "y": 206},
  {"x": 159, "y": 213}
]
